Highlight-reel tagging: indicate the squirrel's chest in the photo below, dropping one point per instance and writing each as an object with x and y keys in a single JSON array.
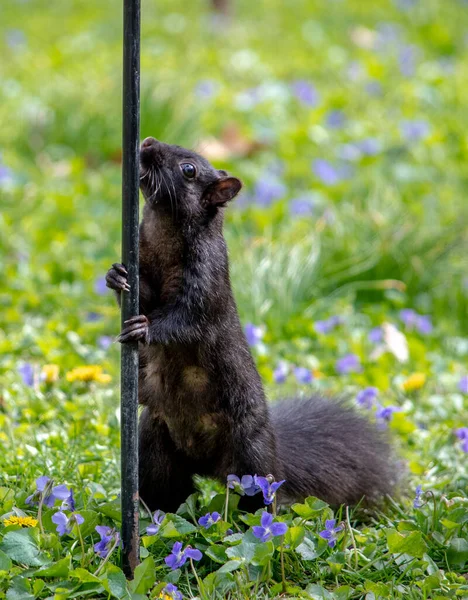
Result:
[{"x": 183, "y": 395}]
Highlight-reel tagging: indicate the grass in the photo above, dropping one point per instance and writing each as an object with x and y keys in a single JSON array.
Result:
[{"x": 381, "y": 227}]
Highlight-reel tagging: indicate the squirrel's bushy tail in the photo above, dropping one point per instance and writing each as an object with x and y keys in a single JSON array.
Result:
[{"x": 329, "y": 450}]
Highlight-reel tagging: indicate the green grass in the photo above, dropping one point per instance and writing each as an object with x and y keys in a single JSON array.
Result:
[{"x": 391, "y": 235}]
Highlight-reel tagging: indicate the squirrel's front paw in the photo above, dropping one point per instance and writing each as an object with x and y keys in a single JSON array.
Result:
[
  {"x": 116, "y": 278},
  {"x": 136, "y": 330}
]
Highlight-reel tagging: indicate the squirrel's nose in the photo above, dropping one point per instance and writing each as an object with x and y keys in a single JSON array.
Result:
[{"x": 148, "y": 142}]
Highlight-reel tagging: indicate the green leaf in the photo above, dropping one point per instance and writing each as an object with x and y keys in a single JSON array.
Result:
[
  {"x": 217, "y": 553},
  {"x": 111, "y": 509},
  {"x": 317, "y": 592},
  {"x": 412, "y": 544},
  {"x": 19, "y": 589},
  {"x": 218, "y": 503},
  {"x": 176, "y": 526},
  {"x": 220, "y": 582},
  {"x": 343, "y": 593},
  {"x": 307, "y": 549},
  {"x": 58, "y": 569},
  {"x": 84, "y": 576},
  {"x": 380, "y": 590},
  {"x": 91, "y": 519},
  {"x": 243, "y": 551},
  {"x": 263, "y": 553},
  {"x": 21, "y": 547},
  {"x": 117, "y": 582},
  {"x": 230, "y": 566},
  {"x": 5, "y": 562},
  {"x": 294, "y": 537},
  {"x": 336, "y": 561},
  {"x": 311, "y": 507},
  {"x": 457, "y": 553},
  {"x": 144, "y": 577}
]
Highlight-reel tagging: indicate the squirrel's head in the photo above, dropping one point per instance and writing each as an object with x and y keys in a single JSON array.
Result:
[{"x": 180, "y": 181}]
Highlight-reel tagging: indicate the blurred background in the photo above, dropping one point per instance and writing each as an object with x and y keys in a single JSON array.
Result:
[{"x": 346, "y": 120}]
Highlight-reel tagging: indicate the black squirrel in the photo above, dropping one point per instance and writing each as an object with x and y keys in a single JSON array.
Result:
[{"x": 205, "y": 410}]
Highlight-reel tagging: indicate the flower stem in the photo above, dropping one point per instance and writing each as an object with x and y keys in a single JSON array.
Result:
[
  {"x": 353, "y": 541},
  {"x": 47, "y": 489},
  {"x": 82, "y": 545},
  {"x": 199, "y": 582},
  {"x": 99, "y": 569},
  {"x": 283, "y": 576},
  {"x": 145, "y": 506},
  {"x": 226, "y": 510}
]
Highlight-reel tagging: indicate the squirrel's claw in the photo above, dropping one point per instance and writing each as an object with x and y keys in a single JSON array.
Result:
[
  {"x": 137, "y": 329},
  {"x": 116, "y": 278}
]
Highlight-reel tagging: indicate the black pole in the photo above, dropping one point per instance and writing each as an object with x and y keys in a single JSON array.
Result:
[{"x": 130, "y": 301}]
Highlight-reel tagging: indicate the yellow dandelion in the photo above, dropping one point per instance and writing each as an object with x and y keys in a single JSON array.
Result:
[
  {"x": 50, "y": 373},
  {"x": 414, "y": 382},
  {"x": 165, "y": 596},
  {"x": 88, "y": 373},
  {"x": 23, "y": 521}
]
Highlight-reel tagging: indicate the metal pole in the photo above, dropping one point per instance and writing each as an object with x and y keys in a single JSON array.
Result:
[{"x": 130, "y": 301}]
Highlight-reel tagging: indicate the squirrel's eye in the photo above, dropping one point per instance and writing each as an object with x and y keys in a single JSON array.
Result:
[{"x": 188, "y": 170}]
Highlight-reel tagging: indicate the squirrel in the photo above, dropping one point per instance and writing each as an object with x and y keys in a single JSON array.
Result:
[{"x": 204, "y": 407}]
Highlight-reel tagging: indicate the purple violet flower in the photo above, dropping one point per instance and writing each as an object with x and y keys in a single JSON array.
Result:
[
  {"x": 325, "y": 171},
  {"x": 171, "y": 591},
  {"x": 268, "y": 189},
  {"x": 330, "y": 531},
  {"x": 462, "y": 434},
  {"x": 157, "y": 518},
  {"x": 92, "y": 317},
  {"x": 253, "y": 334},
  {"x": 303, "y": 375},
  {"x": 109, "y": 537},
  {"x": 413, "y": 131},
  {"x": 463, "y": 384},
  {"x": 367, "y": 397},
  {"x": 348, "y": 364},
  {"x": 246, "y": 485},
  {"x": 408, "y": 316},
  {"x": 268, "y": 489},
  {"x": 209, "y": 519},
  {"x": 64, "y": 523},
  {"x": 59, "y": 492},
  {"x": 417, "y": 502},
  {"x": 100, "y": 286},
  {"x": 374, "y": 88},
  {"x": 412, "y": 320},
  {"x": 386, "y": 412},
  {"x": 305, "y": 92},
  {"x": 369, "y": 146},
  {"x": 302, "y": 206},
  {"x": 206, "y": 88},
  {"x": 375, "y": 335},
  {"x": 281, "y": 372},
  {"x": 105, "y": 341},
  {"x": 178, "y": 557},
  {"x": 407, "y": 60},
  {"x": 424, "y": 324},
  {"x": 327, "y": 325},
  {"x": 335, "y": 119},
  {"x": 268, "y": 529},
  {"x": 26, "y": 370}
]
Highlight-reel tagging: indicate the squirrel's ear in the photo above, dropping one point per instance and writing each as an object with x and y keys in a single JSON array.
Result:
[
  {"x": 221, "y": 191},
  {"x": 222, "y": 172}
]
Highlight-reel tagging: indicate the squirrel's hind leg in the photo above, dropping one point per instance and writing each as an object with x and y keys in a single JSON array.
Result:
[{"x": 165, "y": 474}]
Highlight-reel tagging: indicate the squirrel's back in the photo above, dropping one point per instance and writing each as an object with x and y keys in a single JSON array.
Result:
[{"x": 327, "y": 449}]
